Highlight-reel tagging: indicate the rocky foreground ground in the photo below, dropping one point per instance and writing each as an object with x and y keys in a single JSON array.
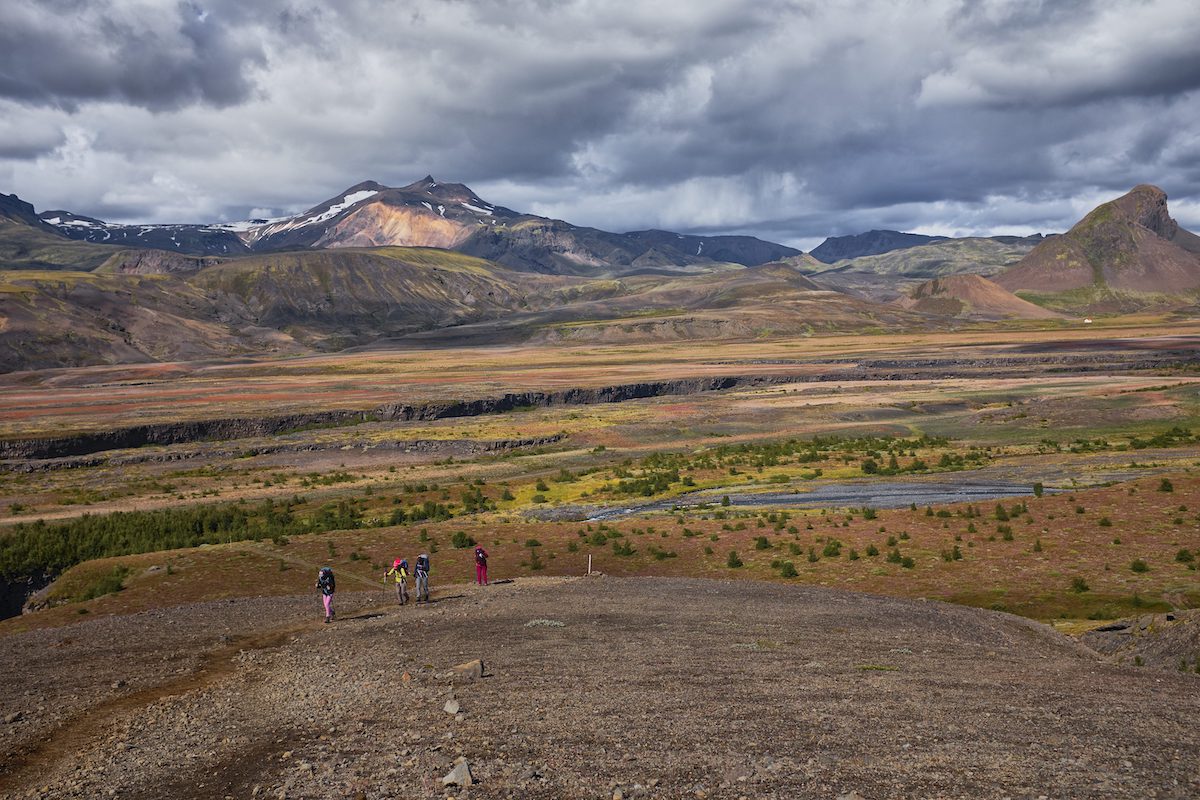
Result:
[{"x": 594, "y": 687}]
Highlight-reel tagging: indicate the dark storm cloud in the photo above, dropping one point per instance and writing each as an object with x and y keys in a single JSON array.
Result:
[
  {"x": 159, "y": 56},
  {"x": 791, "y": 119}
]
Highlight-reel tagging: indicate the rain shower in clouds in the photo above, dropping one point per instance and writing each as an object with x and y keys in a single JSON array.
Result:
[{"x": 787, "y": 120}]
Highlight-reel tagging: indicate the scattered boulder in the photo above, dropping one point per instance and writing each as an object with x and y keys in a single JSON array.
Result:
[
  {"x": 460, "y": 775},
  {"x": 452, "y": 707},
  {"x": 471, "y": 670}
]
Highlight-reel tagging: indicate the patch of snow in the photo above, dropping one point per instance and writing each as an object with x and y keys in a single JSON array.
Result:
[
  {"x": 476, "y": 209},
  {"x": 235, "y": 227},
  {"x": 53, "y": 221},
  {"x": 427, "y": 205},
  {"x": 72, "y": 223},
  {"x": 337, "y": 208},
  {"x": 442, "y": 210},
  {"x": 701, "y": 247}
]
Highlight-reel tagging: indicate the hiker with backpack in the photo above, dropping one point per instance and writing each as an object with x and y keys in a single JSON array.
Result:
[
  {"x": 400, "y": 571},
  {"x": 481, "y": 565},
  {"x": 325, "y": 582},
  {"x": 421, "y": 570}
]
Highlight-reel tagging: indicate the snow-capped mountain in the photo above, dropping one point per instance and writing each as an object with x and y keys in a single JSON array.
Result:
[{"x": 429, "y": 213}]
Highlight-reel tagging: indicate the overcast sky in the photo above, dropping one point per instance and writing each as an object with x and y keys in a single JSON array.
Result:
[{"x": 790, "y": 120}]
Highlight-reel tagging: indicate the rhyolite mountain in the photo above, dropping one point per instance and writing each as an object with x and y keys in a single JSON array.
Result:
[
  {"x": 888, "y": 276},
  {"x": 1127, "y": 253},
  {"x": 972, "y": 297},
  {"x": 449, "y": 216}
]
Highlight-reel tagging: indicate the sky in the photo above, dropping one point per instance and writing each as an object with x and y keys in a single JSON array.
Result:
[{"x": 784, "y": 119}]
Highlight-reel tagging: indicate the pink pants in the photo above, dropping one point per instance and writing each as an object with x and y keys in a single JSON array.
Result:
[
  {"x": 328, "y": 600},
  {"x": 481, "y": 574}
]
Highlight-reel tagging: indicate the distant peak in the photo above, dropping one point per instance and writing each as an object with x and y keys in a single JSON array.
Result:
[
  {"x": 1145, "y": 205},
  {"x": 365, "y": 186},
  {"x": 1148, "y": 188},
  {"x": 426, "y": 184}
]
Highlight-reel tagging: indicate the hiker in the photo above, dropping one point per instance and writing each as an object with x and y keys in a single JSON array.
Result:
[
  {"x": 325, "y": 583},
  {"x": 400, "y": 571},
  {"x": 480, "y": 565},
  {"x": 421, "y": 569}
]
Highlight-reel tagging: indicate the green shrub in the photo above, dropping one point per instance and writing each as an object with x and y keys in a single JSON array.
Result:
[
  {"x": 1137, "y": 565},
  {"x": 1166, "y": 486},
  {"x": 1079, "y": 585},
  {"x": 109, "y": 583},
  {"x": 1105, "y": 522},
  {"x": 788, "y": 570},
  {"x": 1185, "y": 556},
  {"x": 761, "y": 543},
  {"x": 461, "y": 540},
  {"x": 872, "y": 550},
  {"x": 733, "y": 562}
]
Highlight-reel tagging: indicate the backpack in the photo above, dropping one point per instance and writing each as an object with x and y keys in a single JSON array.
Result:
[
  {"x": 422, "y": 564},
  {"x": 325, "y": 580}
]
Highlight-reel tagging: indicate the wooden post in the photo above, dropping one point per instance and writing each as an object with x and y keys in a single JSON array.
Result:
[{"x": 589, "y": 572}]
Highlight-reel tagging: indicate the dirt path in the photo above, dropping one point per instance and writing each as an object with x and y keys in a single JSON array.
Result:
[{"x": 661, "y": 688}]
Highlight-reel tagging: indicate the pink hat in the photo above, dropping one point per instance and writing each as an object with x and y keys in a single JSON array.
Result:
[{"x": 397, "y": 562}]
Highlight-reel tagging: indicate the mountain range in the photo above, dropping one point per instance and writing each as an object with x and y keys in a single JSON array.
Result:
[
  {"x": 433, "y": 263},
  {"x": 429, "y": 213}
]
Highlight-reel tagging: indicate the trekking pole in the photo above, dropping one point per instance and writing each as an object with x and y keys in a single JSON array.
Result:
[{"x": 589, "y": 572}]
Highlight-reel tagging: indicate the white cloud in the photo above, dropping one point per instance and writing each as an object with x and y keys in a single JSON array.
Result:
[{"x": 792, "y": 120}]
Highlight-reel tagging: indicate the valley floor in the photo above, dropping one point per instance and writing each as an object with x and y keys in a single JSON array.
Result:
[{"x": 651, "y": 687}]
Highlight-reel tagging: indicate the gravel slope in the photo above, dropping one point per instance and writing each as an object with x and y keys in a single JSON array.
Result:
[{"x": 650, "y": 687}]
